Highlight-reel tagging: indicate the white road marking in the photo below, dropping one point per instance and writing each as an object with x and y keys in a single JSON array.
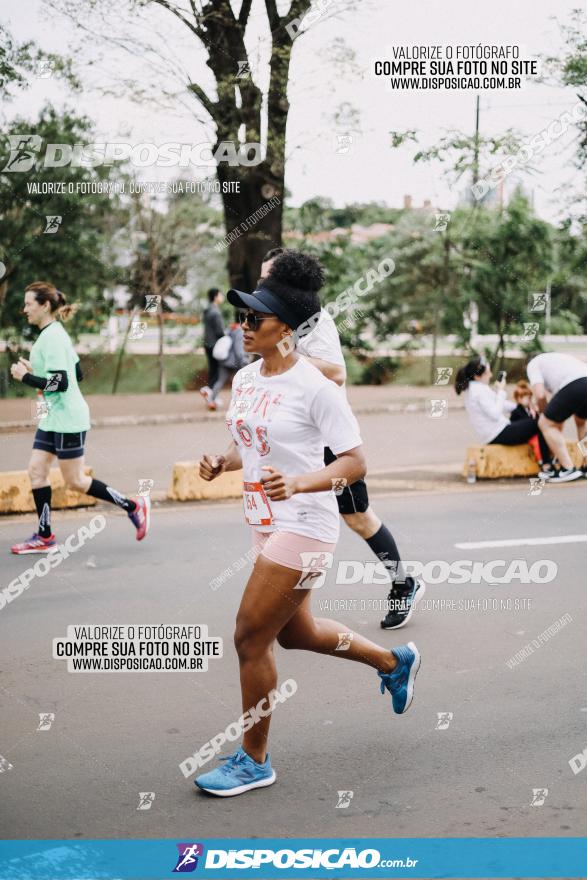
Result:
[{"x": 523, "y": 542}]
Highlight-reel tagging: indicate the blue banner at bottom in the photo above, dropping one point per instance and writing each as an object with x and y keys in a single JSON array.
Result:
[{"x": 408, "y": 857}]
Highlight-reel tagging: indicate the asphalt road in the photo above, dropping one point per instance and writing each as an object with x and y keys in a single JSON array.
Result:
[
  {"x": 116, "y": 735},
  {"x": 123, "y": 455},
  {"x": 401, "y": 444}
]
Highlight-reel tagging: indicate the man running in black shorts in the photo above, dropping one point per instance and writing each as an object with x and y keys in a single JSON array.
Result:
[
  {"x": 321, "y": 347},
  {"x": 565, "y": 378}
]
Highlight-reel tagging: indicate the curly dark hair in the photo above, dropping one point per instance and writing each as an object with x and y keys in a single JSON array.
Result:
[
  {"x": 274, "y": 252},
  {"x": 303, "y": 303},
  {"x": 297, "y": 269}
]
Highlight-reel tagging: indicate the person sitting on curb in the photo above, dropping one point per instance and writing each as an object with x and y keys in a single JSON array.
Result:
[
  {"x": 524, "y": 410},
  {"x": 486, "y": 407}
]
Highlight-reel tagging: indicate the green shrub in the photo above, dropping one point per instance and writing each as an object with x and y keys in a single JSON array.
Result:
[{"x": 379, "y": 371}]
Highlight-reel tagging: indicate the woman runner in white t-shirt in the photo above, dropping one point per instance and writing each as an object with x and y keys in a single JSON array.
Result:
[{"x": 283, "y": 412}]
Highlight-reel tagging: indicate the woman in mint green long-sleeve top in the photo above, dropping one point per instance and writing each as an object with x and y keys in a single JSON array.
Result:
[{"x": 54, "y": 371}]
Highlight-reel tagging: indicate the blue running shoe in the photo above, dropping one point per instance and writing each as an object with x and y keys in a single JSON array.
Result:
[
  {"x": 239, "y": 774},
  {"x": 400, "y": 682}
]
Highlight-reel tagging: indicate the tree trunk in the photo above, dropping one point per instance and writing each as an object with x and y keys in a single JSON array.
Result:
[
  {"x": 502, "y": 353},
  {"x": 500, "y": 349},
  {"x": 438, "y": 309},
  {"x": 224, "y": 38},
  {"x": 259, "y": 187},
  {"x": 434, "y": 344},
  {"x": 162, "y": 383},
  {"x": 122, "y": 350}
]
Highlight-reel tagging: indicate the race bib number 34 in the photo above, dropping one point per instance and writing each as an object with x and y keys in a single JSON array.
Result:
[{"x": 256, "y": 505}]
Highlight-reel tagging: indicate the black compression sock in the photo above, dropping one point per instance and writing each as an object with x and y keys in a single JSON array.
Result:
[
  {"x": 98, "y": 489},
  {"x": 42, "y": 498},
  {"x": 384, "y": 547}
]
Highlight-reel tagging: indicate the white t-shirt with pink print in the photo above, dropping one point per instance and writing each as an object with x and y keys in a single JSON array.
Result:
[{"x": 285, "y": 421}]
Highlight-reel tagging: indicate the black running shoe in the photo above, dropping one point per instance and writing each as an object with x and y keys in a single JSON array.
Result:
[
  {"x": 403, "y": 603},
  {"x": 567, "y": 475}
]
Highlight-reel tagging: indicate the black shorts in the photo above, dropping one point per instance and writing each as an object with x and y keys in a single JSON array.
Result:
[
  {"x": 353, "y": 498},
  {"x": 571, "y": 400},
  {"x": 61, "y": 445}
]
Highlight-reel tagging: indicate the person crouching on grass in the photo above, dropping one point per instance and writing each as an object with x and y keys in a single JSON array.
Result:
[{"x": 282, "y": 414}]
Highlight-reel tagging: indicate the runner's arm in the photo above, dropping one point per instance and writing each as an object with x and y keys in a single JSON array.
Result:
[
  {"x": 211, "y": 466},
  {"x": 62, "y": 383},
  {"x": 22, "y": 372},
  {"x": 57, "y": 382},
  {"x": 349, "y": 467},
  {"x": 335, "y": 372},
  {"x": 232, "y": 458},
  {"x": 322, "y": 348}
]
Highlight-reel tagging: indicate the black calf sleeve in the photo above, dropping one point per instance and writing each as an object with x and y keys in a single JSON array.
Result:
[
  {"x": 42, "y": 498},
  {"x": 384, "y": 547},
  {"x": 98, "y": 489}
]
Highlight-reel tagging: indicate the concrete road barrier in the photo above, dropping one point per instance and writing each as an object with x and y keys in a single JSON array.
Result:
[
  {"x": 494, "y": 460},
  {"x": 187, "y": 485},
  {"x": 16, "y": 495}
]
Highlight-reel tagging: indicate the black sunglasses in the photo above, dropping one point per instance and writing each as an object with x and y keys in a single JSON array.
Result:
[{"x": 253, "y": 321}]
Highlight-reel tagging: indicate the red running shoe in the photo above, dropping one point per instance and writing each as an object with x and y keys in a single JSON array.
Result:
[
  {"x": 141, "y": 516},
  {"x": 35, "y": 544}
]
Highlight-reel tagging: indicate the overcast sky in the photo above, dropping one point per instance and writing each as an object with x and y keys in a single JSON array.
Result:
[{"x": 319, "y": 85}]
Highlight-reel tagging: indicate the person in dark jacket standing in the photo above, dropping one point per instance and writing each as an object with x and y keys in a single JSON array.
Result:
[
  {"x": 235, "y": 360},
  {"x": 213, "y": 331}
]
